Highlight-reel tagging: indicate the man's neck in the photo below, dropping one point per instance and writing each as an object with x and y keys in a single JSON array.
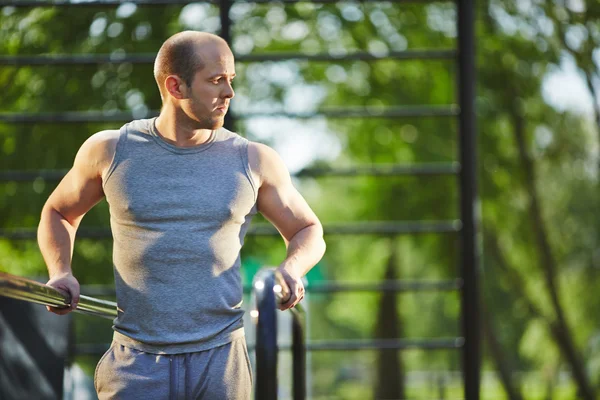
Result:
[{"x": 180, "y": 131}]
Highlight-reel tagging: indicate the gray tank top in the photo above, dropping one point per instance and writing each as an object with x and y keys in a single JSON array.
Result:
[{"x": 178, "y": 219}]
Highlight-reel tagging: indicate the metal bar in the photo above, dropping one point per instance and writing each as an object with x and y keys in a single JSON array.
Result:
[
  {"x": 362, "y": 228},
  {"x": 96, "y": 59},
  {"x": 382, "y": 170},
  {"x": 386, "y": 344},
  {"x": 387, "y": 286},
  {"x": 348, "y": 228},
  {"x": 224, "y": 9},
  {"x": 424, "y": 169},
  {"x": 347, "y": 112},
  {"x": 31, "y": 233},
  {"x": 266, "y": 336},
  {"x": 116, "y": 3},
  {"x": 299, "y": 358},
  {"x": 28, "y": 290},
  {"x": 269, "y": 290},
  {"x": 30, "y": 176},
  {"x": 469, "y": 251}
]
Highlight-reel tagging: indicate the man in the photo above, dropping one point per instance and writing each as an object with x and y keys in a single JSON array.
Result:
[{"x": 182, "y": 191}]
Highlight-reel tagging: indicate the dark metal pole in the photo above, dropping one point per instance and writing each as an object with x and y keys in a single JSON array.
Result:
[
  {"x": 266, "y": 336},
  {"x": 299, "y": 358},
  {"x": 468, "y": 194},
  {"x": 224, "y": 8}
]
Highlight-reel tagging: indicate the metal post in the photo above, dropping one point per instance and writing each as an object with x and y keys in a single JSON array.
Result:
[
  {"x": 266, "y": 336},
  {"x": 468, "y": 195},
  {"x": 224, "y": 8},
  {"x": 299, "y": 358}
]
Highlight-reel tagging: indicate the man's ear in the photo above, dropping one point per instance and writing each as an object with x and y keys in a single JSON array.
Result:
[{"x": 176, "y": 87}]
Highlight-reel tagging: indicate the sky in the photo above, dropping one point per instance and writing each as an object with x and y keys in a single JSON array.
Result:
[{"x": 565, "y": 89}]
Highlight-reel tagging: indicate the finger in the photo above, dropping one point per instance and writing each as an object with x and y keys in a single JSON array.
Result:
[
  {"x": 298, "y": 301},
  {"x": 289, "y": 303},
  {"x": 74, "y": 299},
  {"x": 58, "y": 311}
]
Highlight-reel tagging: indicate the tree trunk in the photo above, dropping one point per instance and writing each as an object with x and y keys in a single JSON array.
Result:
[
  {"x": 390, "y": 371},
  {"x": 548, "y": 265},
  {"x": 497, "y": 352}
]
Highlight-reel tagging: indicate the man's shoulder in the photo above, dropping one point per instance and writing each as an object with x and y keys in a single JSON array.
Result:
[
  {"x": 103, "y": 140},
  {"x": 108, "y": 135},
  {"x": 265, "y": 162},
  {"x": 101, "y": 146}
]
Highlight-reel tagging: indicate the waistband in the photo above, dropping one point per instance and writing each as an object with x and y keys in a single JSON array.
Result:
[{"x": 178, "y": 348}]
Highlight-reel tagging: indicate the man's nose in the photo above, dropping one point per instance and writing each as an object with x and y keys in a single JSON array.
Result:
[{"x": 229, "y": 93}]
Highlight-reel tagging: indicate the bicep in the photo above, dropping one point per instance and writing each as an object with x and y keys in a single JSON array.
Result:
[
  {"x": 75, "y": 195},
  {"x": 81, "y": 188},
  {"x": 280, "y": 202}
]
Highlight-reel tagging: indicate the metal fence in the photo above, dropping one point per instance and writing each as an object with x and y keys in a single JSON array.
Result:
[{"x": 465, "y": 170}]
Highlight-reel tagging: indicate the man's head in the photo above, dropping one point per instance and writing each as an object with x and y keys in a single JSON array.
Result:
[{"x": 194, "y": 71}]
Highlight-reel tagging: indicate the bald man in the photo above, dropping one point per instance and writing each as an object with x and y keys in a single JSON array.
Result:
[{"x": 182, "y": 191}]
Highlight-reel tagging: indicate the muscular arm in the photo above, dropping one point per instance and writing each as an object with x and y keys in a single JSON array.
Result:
[
  {"x": 74, "y": 196},
  {"x": 286, "y": 209}
]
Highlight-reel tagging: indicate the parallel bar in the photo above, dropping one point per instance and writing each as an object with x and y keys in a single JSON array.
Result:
[
  {"x": 266, "y": 336},
  {"x": 347, "y": 112},
  {"x": 28, "y": 290},
  {"x": 299, "y": 357},
  {"x": 423, "y": 169},
  {"x": 336, "y": 345},
  {"x": 116, "y": 3},
  {"x": 347, "y": 228},
  {"x": 95, "y": 59},
  {"x": 471, "y": 357}
]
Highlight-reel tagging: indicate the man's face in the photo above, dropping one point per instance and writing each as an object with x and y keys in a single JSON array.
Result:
[{"x": 210, "y": 92}]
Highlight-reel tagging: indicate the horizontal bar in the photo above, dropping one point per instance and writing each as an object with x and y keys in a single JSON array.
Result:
[
  {"x": 95, "y": 59},
  {"x": 116, "y": 3},
  {"x": 371, "y": 170},
  {"x": 387, "y": 286},
  {"x": 347, "y": 112},
  {"x": 336, "y": 287},
  {"x": 34, "y": 292},
  {"x": 381, "y": 170},
  {"x": 384, "y": 344},
  {"x": 333, "y": 345},
  {"x": 30, "y": 176},
  {"x": 372, "y": 227},
  {"x": 346, "y": 228}
]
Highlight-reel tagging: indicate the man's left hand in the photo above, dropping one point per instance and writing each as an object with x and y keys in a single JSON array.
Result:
[{"x": 295, "y": 285}]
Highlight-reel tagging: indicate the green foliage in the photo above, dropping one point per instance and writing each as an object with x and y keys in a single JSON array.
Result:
[{"x": 516, "y": 49}]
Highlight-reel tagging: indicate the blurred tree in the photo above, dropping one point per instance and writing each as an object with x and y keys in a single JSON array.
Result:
[{"x": 538, "y": 166}]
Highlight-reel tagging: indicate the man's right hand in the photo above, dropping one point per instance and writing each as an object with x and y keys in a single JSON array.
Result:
[{"x": 67, "y": 285}]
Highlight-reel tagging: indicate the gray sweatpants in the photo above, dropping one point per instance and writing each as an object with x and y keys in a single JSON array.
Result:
[{"x": 222, "y": 373}]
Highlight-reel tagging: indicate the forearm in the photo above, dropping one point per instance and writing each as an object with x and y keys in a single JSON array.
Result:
[
  {"x": 56, "y": 237},
  {"x": 304, "y": 250}
]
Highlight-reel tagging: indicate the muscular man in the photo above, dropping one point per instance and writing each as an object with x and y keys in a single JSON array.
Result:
[{"x": 182, "y": 191}]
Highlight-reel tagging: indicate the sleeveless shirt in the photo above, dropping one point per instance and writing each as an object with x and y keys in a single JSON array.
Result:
[{"x": 178, "y": 218}]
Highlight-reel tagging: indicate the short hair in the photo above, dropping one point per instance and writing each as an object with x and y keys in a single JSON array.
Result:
[{"x": 179, "y": 56}]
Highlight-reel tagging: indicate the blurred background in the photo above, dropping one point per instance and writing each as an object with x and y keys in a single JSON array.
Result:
[{"x": 538, "y": 129}]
